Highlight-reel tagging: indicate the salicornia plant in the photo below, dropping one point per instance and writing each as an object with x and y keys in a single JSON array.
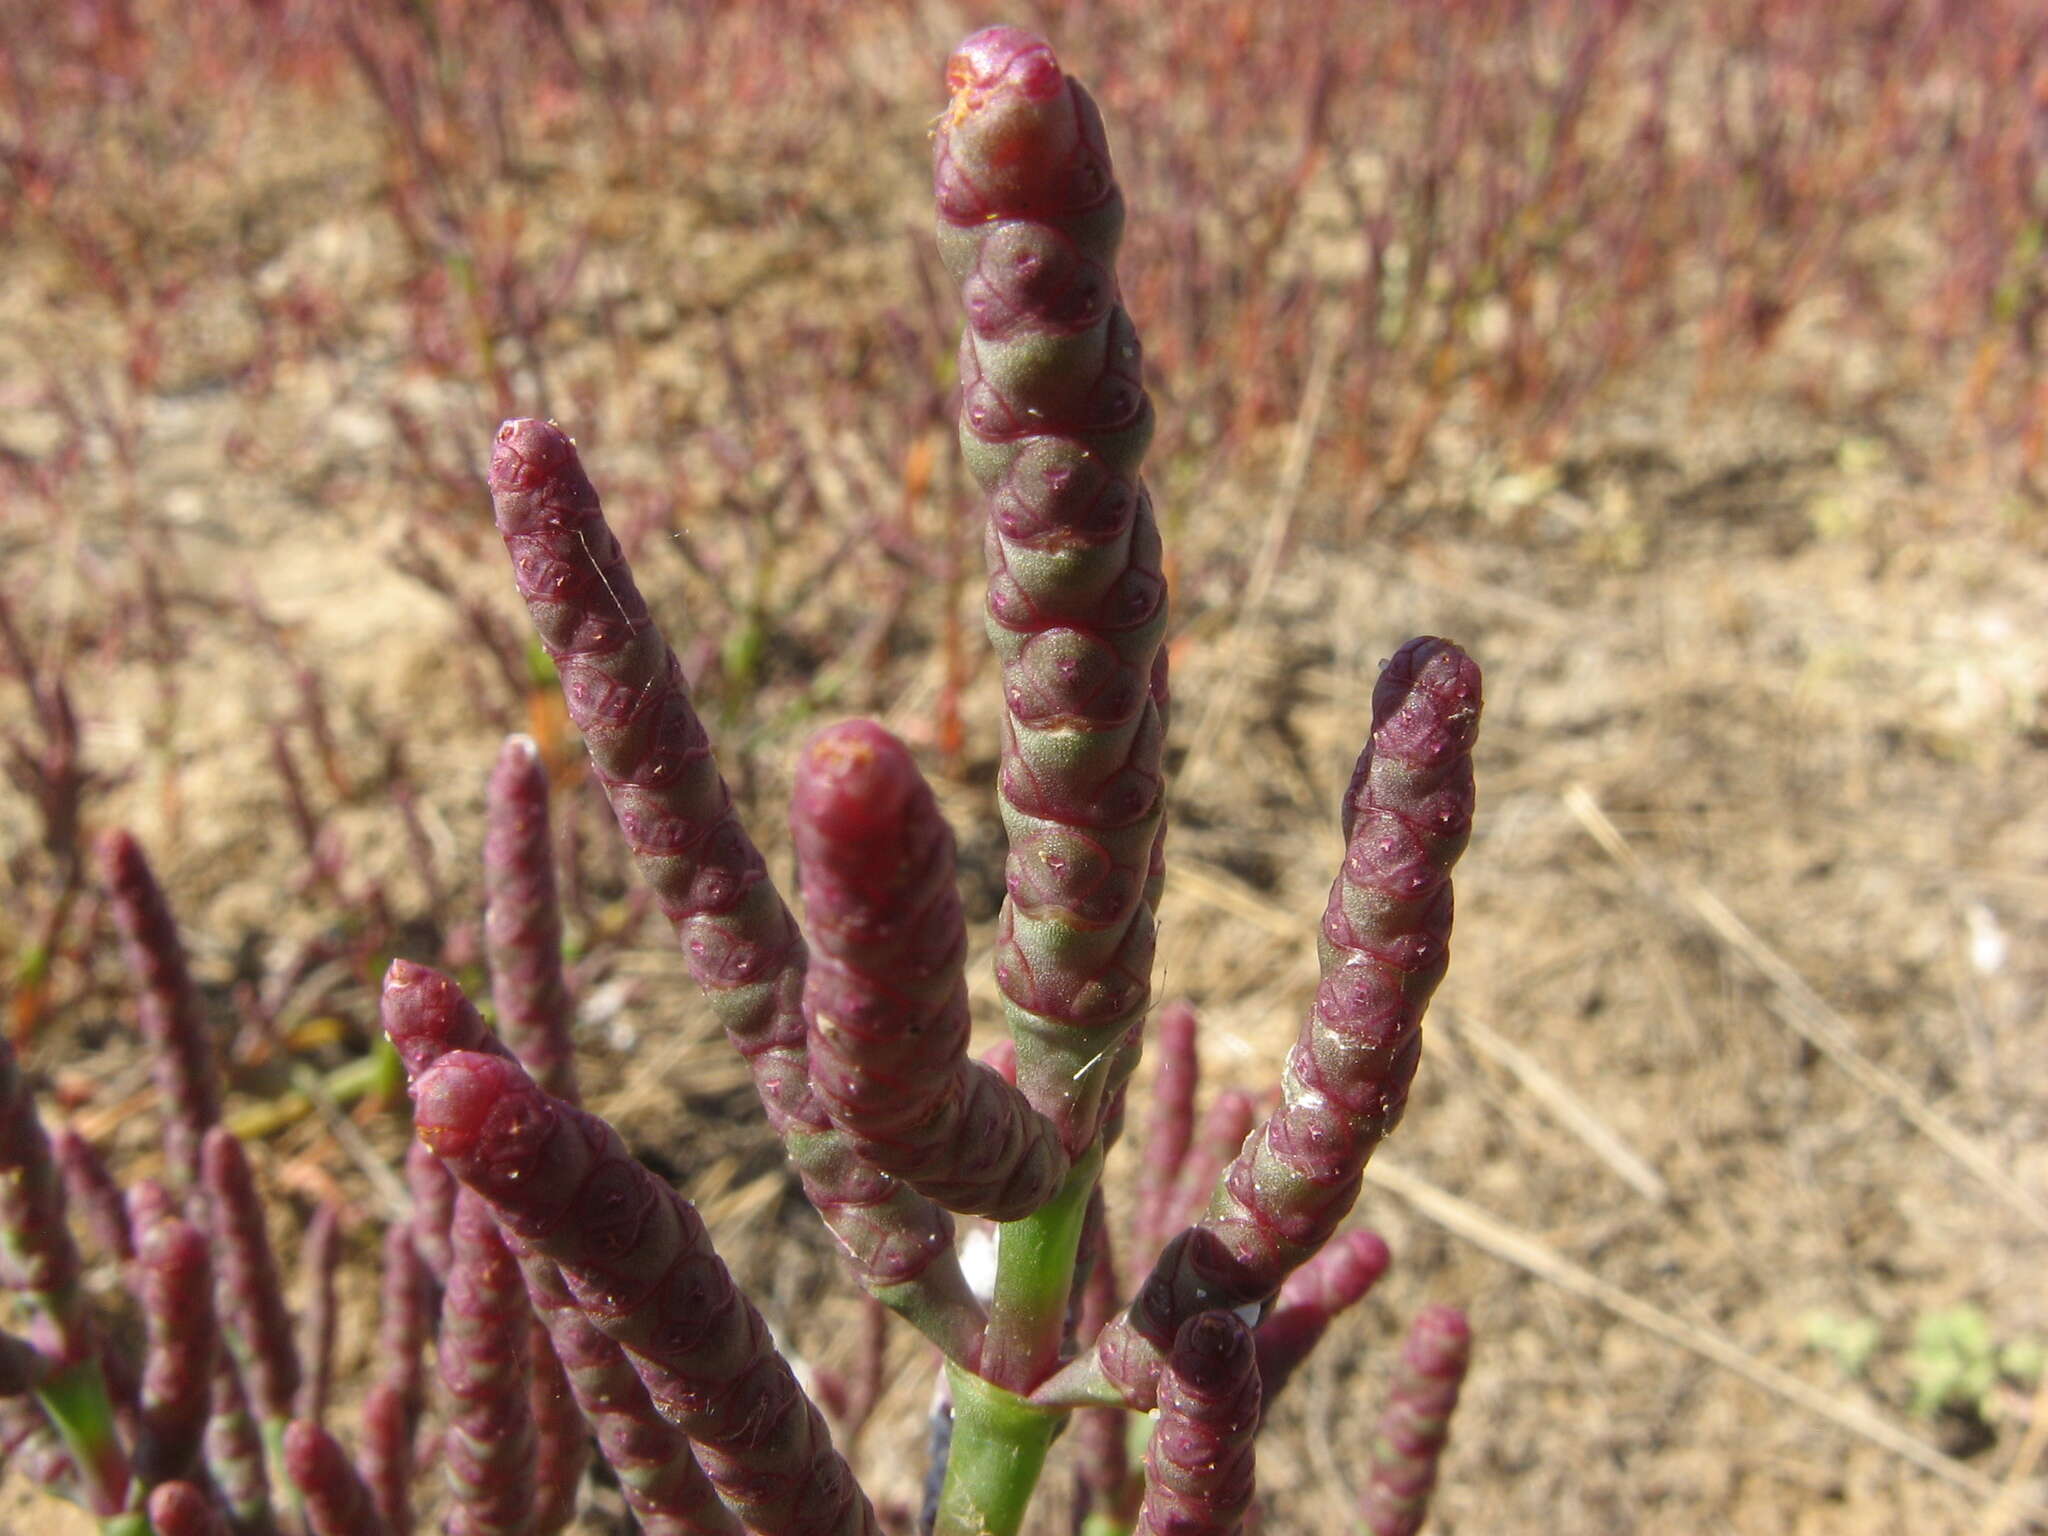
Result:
[
  {"x": 573, "y": 1298},
  {"x": 859, "y": 1048}
]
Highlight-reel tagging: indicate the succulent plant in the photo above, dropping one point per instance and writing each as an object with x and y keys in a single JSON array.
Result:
[{"x": 572, "y": 1297}]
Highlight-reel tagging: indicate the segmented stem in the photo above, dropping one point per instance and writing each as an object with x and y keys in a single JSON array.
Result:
[
  {"x": 886, "y": 994},
  {"x": 635, "y": 1256},
  {"x": 625, "y": 692},
  {"x": 488, "y": 1449},
  {"x": 1385, "y": 944},
  {"x": 174, "y": 1283},
  {"x": 1416, "y": 1425},
  {"x": 168, "y": 1006},
  {"x": 1198, "y": 1467},
  {"x": 523, "y": 921},
  {"x": 335, "y": 1499},
  {"x": 1054, "y": 420}
]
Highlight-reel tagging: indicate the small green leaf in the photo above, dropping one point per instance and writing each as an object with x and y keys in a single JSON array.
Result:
[{"x": 1954, "y": 1363}]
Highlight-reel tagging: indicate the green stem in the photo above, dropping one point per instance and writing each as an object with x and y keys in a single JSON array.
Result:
[
  {"x": 955, "y": 1325},
  {"x": 281, "y": 1485},
  {"x": 999, "y": 1445},
  {"x": 1034, "y": 1276},
  {"x": 75, "y": 1400},
  {"x": 999, "y": 1439}
]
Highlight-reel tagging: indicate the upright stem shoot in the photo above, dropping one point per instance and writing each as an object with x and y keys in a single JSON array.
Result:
[{"x": 1034, "y": 1279}]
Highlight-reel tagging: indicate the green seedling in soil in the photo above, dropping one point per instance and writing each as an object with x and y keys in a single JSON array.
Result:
[{"x": 1959, "y": 1366}]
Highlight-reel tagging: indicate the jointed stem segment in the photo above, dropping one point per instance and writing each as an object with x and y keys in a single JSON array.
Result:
[{"x": 1054, "y": 421}]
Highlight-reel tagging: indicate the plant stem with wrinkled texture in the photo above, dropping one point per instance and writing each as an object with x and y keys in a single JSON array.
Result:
[
  {"x": 1054, "y": 420},
  {"x": 625, "y": 692},
  {"x": 1198, "y": 1468},
  {"x": 885, "y": 997},
  {"x": 639, "y": 1263},
  {"x": 1385, "y": 945},
  {"x": 523, "y": 922},
  {"x": 1416, "y": 1424}
]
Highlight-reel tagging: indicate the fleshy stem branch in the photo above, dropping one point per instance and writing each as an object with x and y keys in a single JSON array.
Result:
[
  {"x": 625, "y": 691},
  {"x": 1054, "y": 422}
]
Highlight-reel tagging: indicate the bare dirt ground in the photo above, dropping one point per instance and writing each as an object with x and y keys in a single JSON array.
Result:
[{"x": 1763, "y": 752}]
